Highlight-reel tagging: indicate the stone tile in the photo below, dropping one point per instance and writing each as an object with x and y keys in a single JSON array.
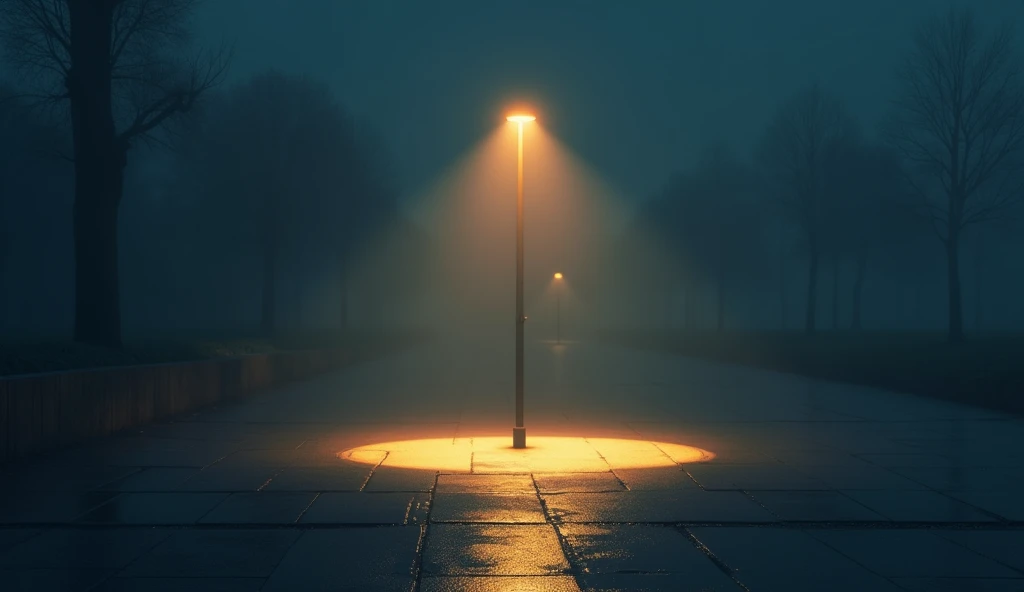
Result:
[
  {"x": 578, "y": 482},
  {"x": 670, "y": 582},
  {"x": 485, "y": 484},
  {"x": 82, "y": 549},
  {"x": 911, "y": 553},
  {"x": 153, "y": 479},
  {"x": 752, "y": 478},
  {"x": 959, "y": 478},
  {"x": 374, "y": 559},
  {"x": 820, "y": 457},
  {"x": 272, "y": 459},
  {"x": 264, "y": 507},
  {"x": 960, "y": 584},
  {"x": 863, "y": 476},
  {"x": 609, "y": 549},
  {"x": 777, "y": 559},
  {"x": 815, "y": 506},
  {"x": 487, "y": 549},
  {"x": 155, "y": 508},
  {"x": 656, "y": 506},
  {"x": 52, "y": 580},
  {"x": 392, "y": 479},
  {"x": 1005, "y": 546},
  {"x": 62, "y": 476},
  {"x": 319, "y": 479},
  {"x": 49, "y": 508},
  {"x": 655, "y": 479},
  {"x": 919, "y": 506},
  {"x": 361, "y": 508},
  {"x": 229, "y": 480},
  {"x": 185, "y": 584},
  {"x": 499, "y": 584},
  {"x": 1008, "y": 503},
  {"x": 483, "y": 507},
  {"x": 908, "y": 460},
  {"x": 13, "y": 536},
  {"x": 247, "y": 553}
]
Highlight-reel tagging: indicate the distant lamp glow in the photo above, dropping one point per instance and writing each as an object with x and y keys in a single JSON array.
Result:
[
  {"x": 558, "y": 275},
  {"x": 520, "y": 118}
]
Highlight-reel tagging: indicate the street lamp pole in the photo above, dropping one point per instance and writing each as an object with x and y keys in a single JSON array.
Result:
[{"x": 519, "y": 431}]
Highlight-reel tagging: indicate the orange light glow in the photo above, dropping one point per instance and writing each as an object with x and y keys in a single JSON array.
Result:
[
  {"x": 520, "y": 118},
  {"x": 558, "y": 275},
  {"x": 543, "y": 455}
]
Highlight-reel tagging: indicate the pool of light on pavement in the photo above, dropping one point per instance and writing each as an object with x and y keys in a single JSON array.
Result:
[{"x": 543, "y": 454}]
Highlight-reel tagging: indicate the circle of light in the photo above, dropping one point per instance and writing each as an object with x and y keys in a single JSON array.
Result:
[{"x": 549, "y": 454}]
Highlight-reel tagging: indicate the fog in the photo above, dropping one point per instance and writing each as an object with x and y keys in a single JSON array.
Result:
[{"x": 347, "y": 165}]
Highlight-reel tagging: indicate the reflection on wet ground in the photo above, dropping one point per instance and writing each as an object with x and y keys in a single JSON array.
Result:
[{"x": 644, "y": 472}]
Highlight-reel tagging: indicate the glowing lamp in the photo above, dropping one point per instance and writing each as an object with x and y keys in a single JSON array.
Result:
[{"x": 520, "y": 118}]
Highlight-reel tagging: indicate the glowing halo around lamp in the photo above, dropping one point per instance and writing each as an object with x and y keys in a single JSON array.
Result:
[{"x": 546, "y": 454}]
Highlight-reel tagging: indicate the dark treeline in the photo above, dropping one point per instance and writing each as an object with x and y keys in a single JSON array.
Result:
[
  {"x": 829, "y": 214},
  {"x": 137, "y": 184}
]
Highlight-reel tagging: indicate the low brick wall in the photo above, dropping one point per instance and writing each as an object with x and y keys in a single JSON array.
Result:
[{"x": 48, "y": 411}]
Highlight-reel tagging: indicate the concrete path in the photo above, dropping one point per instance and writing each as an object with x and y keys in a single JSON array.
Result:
[{"x": 669, "y": 474}]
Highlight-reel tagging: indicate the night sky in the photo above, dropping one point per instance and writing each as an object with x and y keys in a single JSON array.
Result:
[{"x": 636, "y": 89}]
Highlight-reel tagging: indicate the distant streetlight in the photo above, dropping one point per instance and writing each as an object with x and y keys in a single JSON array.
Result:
[
  {"x": 558, "y": 308},
  {"x": 519, "y": 431}
]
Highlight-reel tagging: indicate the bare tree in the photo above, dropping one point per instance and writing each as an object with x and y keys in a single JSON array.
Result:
[
  {"x": 806, "y": 130},
  {"x": 959, "y": 123},
  {"x": 274, "y": 160},
  {"x": 113, "y": 64}
]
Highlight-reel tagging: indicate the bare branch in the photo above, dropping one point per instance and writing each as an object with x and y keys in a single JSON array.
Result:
[
  {"x": 204, "y": 72},
  {"x": 960, "y": 117}
]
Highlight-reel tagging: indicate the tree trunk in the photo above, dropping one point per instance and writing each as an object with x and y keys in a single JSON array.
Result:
[
  {"x": 783, "y": 300},
  {"x": 343, "y": 294},
  {"x": 690, "y": 305},
  {"x": 99, "y": 175},
  {"x": 956, "y": 315},
  {"x": 979, "y": 260},
  {"x": 812, "y": 285},
  {"x": 269, "y": 313},
  {"x": 721, "y": 305},
  {"x": 858, "y": 291},
  {"x": 835, "y": 291}
]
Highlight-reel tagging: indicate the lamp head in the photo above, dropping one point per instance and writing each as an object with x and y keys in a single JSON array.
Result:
[{"x": 520, "y": 118}]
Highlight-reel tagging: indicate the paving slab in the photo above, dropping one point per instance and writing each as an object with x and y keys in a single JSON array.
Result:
[
  {"x": 775, "y": 559},
  {"x": 89, "y": 549},
  {"x": 657, "y": 507},
  {"x": 361, "y": 508},
  {"x": 493, "y": 550},
  {"x": 911, "y": 553},
  {"x": 382, "y": 558},
  {"x": 247, "y": 553},
  {"x": 641, "y": 549},
  {"x": 510, "y": 508},
  {"x": 499, "y": 584},
  {"x": 186, "y": 584},
  {"x": 645, "y": 472}
]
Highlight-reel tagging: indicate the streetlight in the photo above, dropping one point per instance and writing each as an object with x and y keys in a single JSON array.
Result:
[
  {"x": 558, "y": 308},
  {"x": 519, "y": 431}
]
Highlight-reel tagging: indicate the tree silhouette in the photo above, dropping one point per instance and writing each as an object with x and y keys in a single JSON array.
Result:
[
  {"x": 110, "y": 63},
  {"x": 793, "y": 151},
  {"x": 960, "y": 125}
]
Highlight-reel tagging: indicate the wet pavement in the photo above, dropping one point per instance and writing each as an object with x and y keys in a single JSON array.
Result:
[{"x": 646, "y": 472}]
